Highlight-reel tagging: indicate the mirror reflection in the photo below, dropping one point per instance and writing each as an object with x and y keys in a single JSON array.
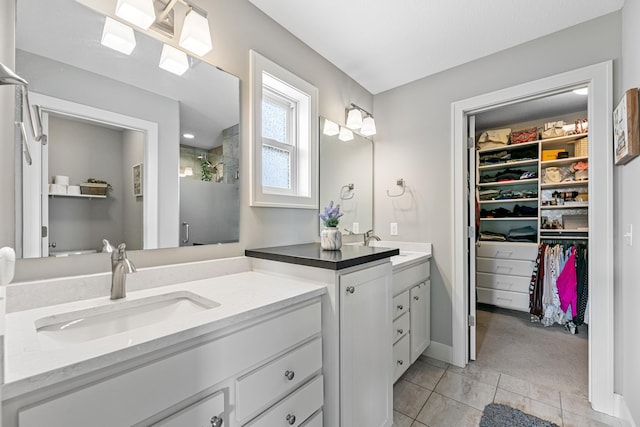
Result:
[
  {"x": 346, "y": 177},
  {"x": 133, "y": 129}
]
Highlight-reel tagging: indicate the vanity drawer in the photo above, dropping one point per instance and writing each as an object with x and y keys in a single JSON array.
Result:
[
  {"x": 314, "y": 421},
  {"x": 296, "y": 408},
  {"x": 200, "y": 413},
  {"x": 401, "y": 354},
  {"x": 268, "y": 383},
  {"x": 401, "y": 304},
  {"x": 523, "y": 251},
  {"x": 506, "y": 299},
  {"x": 404, "y": 279},
  {"x": 505, "y": 266},
  {"x": 401, "y": 327},
  {"x": 503, "y": 282}
]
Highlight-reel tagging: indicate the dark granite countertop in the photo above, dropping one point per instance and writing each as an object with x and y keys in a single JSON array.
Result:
[{"x": 312, "y": 255}]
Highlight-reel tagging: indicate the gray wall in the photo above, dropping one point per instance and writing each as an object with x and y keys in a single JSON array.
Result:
[
  {"x": 627, "y": 211},
  {"x": 237, "y": 26},
  {"x": 132, "y": 154},
  {"x": 414, "y": 140}
]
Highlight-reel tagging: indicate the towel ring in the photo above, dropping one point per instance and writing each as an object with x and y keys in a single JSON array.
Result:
[
  {"x": 402, "y": 184},
  {"x": 343, "y": 192}
]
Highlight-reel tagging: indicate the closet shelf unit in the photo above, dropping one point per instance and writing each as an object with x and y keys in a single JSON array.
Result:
[{"x": 503, "y": 268}]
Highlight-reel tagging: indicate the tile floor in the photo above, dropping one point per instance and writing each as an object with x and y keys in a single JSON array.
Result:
[{"x": 435, "y": 394}]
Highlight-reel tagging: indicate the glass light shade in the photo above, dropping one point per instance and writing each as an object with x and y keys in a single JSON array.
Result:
[
  {"x": 188, "y": 171},
  {"x": 173, "y": 60},
  {"x": 354, "y": 119},
  {"x": 138, "y": 12},
  {"x": 368, "y": 126},
  {"x": 330, "y": 128},
  {"x": 195, "y": 35},
  {"x": 345, "y": 134},
  {"x": 117, "y": 36}
]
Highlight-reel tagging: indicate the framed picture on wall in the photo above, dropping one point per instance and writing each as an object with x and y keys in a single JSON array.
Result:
[
  {"x": 626, "y": 138},
  {"x": 137, "y": 179}
]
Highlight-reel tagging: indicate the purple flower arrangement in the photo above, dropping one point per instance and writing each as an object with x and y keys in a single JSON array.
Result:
[{"x": 330, "y": 216}]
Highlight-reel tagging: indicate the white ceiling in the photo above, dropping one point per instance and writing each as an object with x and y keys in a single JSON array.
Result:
[{"x": 383, "y": 44}]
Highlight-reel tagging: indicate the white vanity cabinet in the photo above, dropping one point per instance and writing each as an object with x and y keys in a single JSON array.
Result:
[
  {"x": 266, "y": 371},
  {"x": 411, "y": 308}
]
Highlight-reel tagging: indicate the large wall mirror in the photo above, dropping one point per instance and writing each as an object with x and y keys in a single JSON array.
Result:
[
  {"x": 346, "y": 177},
  {"x": 167, "y": 145}
]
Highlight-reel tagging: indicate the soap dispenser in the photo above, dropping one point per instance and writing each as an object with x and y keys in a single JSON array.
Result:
[{"x": 106, "y": 246}]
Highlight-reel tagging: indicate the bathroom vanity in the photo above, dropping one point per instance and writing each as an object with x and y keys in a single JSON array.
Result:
[
  {"x": 240, "y": 349},
  {"x": 356, "y": 325}
]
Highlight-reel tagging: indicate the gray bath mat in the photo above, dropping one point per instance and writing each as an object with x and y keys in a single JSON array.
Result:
[{"x": 497, "y": 415}]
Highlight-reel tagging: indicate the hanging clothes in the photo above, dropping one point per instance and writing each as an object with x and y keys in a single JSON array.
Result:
[{"x": 567, "y": 284}]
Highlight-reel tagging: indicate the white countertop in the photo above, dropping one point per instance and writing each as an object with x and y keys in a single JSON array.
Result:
[
  {"x": 410, "y": 252},
  {"x": 242, "y": 296}
]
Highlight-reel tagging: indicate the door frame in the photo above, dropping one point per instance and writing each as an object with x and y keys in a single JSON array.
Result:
[
  {"x": 599, "y": 78},
  {"x": 51, "y": 105}
]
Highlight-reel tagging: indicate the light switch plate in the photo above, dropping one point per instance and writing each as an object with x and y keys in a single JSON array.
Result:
[
  {"x": 393, "y": 229},
  {"x": 355, "y": 228}
]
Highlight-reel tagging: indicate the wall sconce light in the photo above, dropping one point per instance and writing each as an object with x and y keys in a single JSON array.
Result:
[
  {"x": 140, "y": 13},
  {"x": 196, "y": 36},
  {"x": 355, "y": 121},
  {"x": 345, "y": 134},
  {"x": 173, "y": 60},
  {"x": 330, "y": 128},
  {"x": 118, "y": 36},
  {"x": 188, "y": 171}
]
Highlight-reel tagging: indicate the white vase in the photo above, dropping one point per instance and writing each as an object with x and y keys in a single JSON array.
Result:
[{"x": 330, "y": 239}]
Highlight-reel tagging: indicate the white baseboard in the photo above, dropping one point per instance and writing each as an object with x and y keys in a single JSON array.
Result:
[
  {"x": 439, "y": 351},
  {"x": 624, "y": 413}
]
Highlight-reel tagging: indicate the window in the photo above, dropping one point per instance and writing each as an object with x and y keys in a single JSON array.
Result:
[{"x": 284, "y": 137}]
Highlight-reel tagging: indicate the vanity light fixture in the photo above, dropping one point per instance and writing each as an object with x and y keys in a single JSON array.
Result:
[
  {"x": 118, "y": 36},
  {"x": 173, "y": 60},
  {"x": 330, "y": 128},
  {"x": 140, "y": 13},
  {"x": 581, "y": 91},
  {"x": 188, "y": 171},
  {"x": 355, "y": 121},
  {"x": 345, "y": 134},
  {"x": 195, "y": 35}
]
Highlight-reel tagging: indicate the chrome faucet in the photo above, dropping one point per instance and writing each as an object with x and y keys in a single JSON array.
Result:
[
  {"x": 120, "y": 267},
  {"x": 368, "y": 236}
]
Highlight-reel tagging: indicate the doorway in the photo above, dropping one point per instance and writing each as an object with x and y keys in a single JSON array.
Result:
[{"x": 598, "y": 78}]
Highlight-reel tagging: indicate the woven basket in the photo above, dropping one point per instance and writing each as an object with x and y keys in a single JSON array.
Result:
[
  {"x": 93, "y": 189},
  {"x": 582, "y": 147}
]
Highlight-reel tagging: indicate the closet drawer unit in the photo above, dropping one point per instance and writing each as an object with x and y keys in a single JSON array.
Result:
[
  {"x": 295, "y": 409},
  {"x": 404, "y": 279},
  {"x": 401, "y": 304},
  {"x": 401, "y": 327},
  {"x": 523, "y": 251},
  {"x": 506, "y": 299},
  {"x": 401, "y": 357},
  {"x": 504, "y": 266},
  {"x": 274, "y": 380},
  {"x": 503, "y": 282}
]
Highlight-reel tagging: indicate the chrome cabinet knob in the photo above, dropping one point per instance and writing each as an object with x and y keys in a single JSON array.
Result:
[
  {"x": 350, "y": 289},
  {"x": 400, "y": 307},
  {"x": 291, "y": 419},
  {"x": 400, "y": 362},
  {"x": 289, "y": 375},
  {"x": 401, "y": 331},
  {"x": 416, "y": 298},
  {"x": 216, "y": 421}
]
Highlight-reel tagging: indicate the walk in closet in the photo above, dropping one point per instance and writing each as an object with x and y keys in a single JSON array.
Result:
[{"x": 531, "y": 180}]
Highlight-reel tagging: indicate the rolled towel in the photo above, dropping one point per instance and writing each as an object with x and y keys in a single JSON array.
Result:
[
  {"x": 7, "y": 265},
  {"x": 61, "y": 179}
]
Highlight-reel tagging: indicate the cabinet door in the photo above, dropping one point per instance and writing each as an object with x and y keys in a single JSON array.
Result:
[
  {"x": 420, "y": 319},
  {"x": 366, "y": 377}
]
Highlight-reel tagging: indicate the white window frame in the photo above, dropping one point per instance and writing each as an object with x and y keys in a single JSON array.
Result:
[{"x": 304, "y": 131}]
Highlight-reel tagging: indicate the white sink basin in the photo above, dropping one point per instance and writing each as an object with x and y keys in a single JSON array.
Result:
[{"x": 117, "y": 317}]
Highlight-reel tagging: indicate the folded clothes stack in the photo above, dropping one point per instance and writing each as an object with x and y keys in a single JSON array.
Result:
[
  {"x": 508, "y": 175},
  {"x": 518, "y": 211},
  {"x": 504, "y": 156},
  {"x": 521, "y": 234},
  {"x": 494, "y": 194}
]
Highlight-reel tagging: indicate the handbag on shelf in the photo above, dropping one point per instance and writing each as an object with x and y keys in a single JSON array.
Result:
[
  {"x": 494, "y": 138},
  {"x": 553, "y": 129},
  {"x": 526, "y": 135}
]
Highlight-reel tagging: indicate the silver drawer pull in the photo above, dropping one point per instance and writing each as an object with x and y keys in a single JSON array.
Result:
[
  {"x": 504, "y": 299},
  {"x": 504, "y": 267},
  {"x": 504, "y": 252},
  {"x": 416, "y": 298},
  {"x": 507, "y": 284},
  {"x": 400, "y": 307},
  {"x": 400, "y": 362},
  {"x": 289, "y": 375},
  {"x": 401, "y": 331},
  {"x": 216, "y": 422},
  {"x": 350, "y": 289},
  {"x": 291, "y": 419}
]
